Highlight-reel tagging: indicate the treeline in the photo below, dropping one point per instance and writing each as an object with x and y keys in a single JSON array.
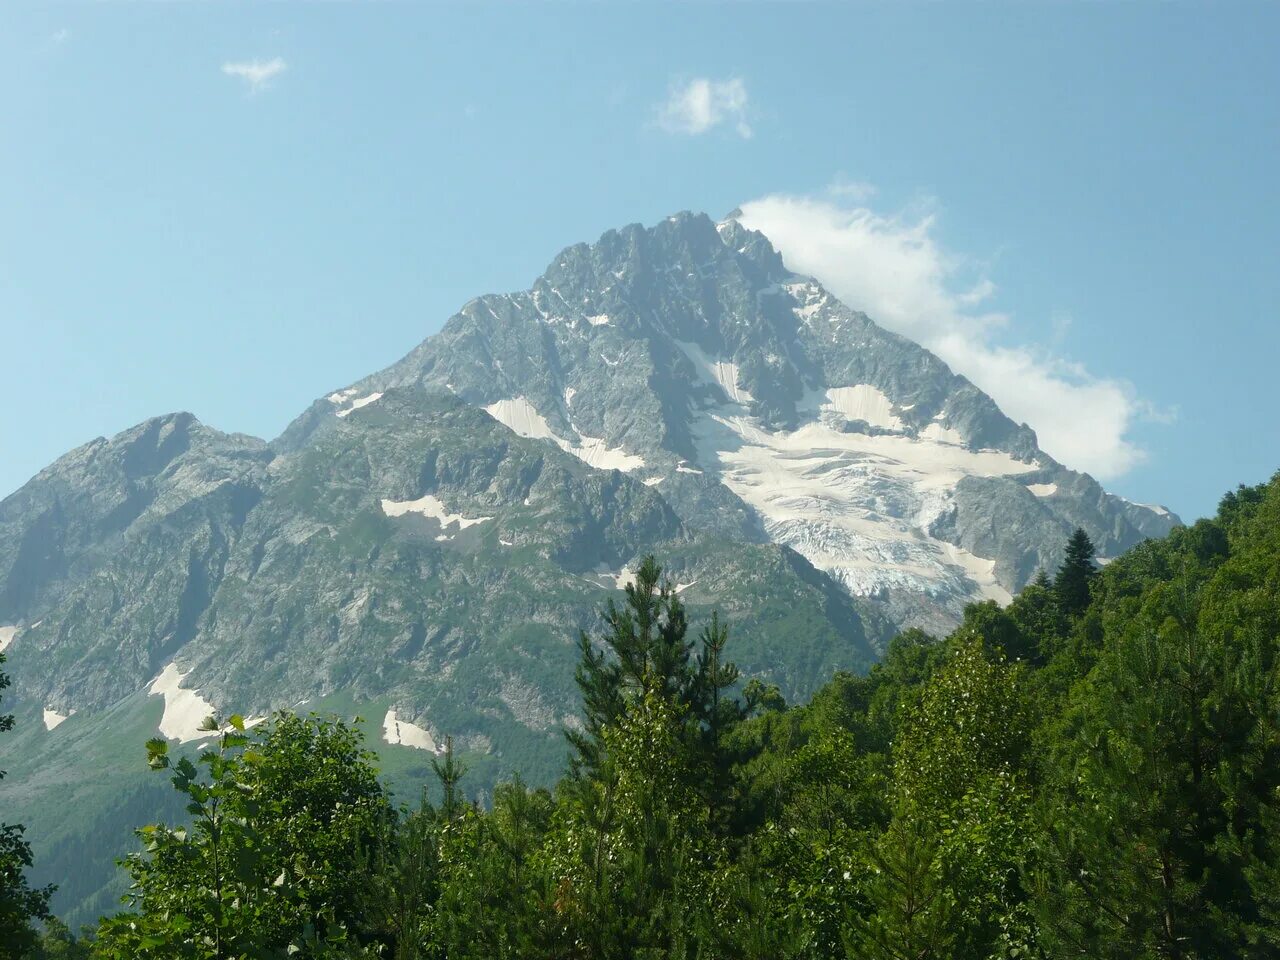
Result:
[{"x": 1091, "y": 772}]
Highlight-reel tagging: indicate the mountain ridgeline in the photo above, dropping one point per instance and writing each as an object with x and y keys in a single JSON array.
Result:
[{"x": 424, "y": 545}]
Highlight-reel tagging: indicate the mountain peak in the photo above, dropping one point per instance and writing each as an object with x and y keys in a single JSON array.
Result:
[{"x": 762, "y": 407}]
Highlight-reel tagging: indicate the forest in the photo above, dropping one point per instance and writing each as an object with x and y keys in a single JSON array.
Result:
[{"x": 1092, "y": 771}]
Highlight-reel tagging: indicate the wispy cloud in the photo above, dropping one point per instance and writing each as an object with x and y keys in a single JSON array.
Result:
[
  {"x": 701, "y": 104},
  {"x": 892, "y": 267},
  {"x": 257, "y": 74}
]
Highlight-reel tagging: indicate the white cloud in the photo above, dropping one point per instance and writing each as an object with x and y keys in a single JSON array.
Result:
[
  {"x": 702, "y": 104},
  {"x": 893, "y": 268},
  {"x": 256, "y": 73}
]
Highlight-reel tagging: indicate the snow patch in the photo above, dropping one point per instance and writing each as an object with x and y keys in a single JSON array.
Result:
[
  {"x": 600, "y": 320},
  {"x": 1043, "y": 489},
  {"x": 52, "y": 718},
  {"x": 434, "y": 508},
  {"x": 395, "y": 730},
  {"x": 184, "y": 710},
  {"x": 569, "y": 394},
  {"x": 653, "y": 481},
  {"x": 342, "y": 396},
  {"x": 940, "y": 434},
  {"x": 519, "y": 415},
  {"x": 1154, "y": 508},
  {"x": 6, "y": 637},
  {"x": 358, "y": 403},
  {"x": 681, "y": 587},
  {"x": 722, "y": 373},
  {"x": 611, "y": 579},
  {"x": 811, "y": 297},
  {"x": 980, "y": 571},
  {"x": 864, "y": 402},
  {"x": 595, "y": 452}
]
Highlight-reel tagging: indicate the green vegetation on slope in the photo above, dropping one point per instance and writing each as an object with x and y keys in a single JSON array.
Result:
[{"x": 1093, "y": 771}]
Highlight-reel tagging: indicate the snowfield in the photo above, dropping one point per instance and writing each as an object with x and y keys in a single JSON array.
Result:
[
  {"x": 395, "y": 730},
  {"x": 184, "y": 710},
  {"x": 520, "y": 416}
]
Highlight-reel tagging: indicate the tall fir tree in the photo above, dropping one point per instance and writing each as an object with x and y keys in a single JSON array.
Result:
[
  {"x": 644, "y": 643},
  {"x": 1076, "y": 574}
]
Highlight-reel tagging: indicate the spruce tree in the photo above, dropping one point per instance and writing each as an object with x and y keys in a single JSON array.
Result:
[{"x": 1076, "y": 574}]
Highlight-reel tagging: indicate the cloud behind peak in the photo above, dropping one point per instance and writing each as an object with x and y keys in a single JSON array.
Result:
[{"x": 892, "y": 267}]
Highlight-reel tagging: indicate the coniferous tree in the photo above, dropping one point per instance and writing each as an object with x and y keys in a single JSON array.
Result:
[
  {"x": 449, "y": 772},
  {"x": 1164, "y": 784},
  {"x": 645, "y": 637},
  {"x": 911, "y": 909},
  {"x": 406, "y": 881},
  {"x": 720, "y": 713},
  {"x": 1076, "y": 574}
]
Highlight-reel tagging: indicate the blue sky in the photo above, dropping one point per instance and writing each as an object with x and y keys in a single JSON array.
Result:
[{"x": 234, "y": 208}]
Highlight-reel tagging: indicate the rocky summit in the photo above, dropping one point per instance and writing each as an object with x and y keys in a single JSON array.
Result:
[{"x": 423, "y": 546}]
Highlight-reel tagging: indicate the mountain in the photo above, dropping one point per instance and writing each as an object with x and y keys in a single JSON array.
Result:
[
  {"x": 762, "y": 408},
  {"x": 422, "y": 546}
]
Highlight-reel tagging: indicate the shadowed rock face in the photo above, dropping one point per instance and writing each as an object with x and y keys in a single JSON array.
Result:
[{"x": 435, "y": 534}]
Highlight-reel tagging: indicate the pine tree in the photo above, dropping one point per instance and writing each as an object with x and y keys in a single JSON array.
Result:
[
  {"x": 1164, "y": 793},
  {"x": 910, "y": 908},
  {"x": 449, "y": 772},
  {"x": 1076, "y": 574},
  {"x": 720, "y": 715},
  {"x": 645, "y": 639}
]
